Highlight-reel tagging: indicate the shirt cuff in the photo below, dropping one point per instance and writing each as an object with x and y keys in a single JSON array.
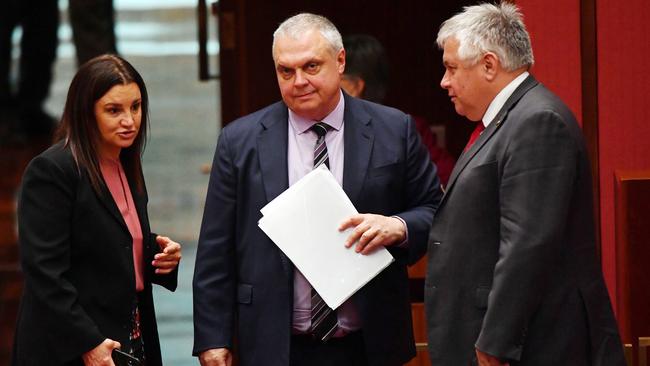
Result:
[{"x": 405, "y": 243}]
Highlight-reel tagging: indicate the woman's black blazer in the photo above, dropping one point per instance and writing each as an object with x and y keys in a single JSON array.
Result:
[{"x": 77, "y": 259}]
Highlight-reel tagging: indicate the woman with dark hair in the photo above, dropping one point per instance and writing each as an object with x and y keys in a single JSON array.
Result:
[{"x": 88, "y": 255}]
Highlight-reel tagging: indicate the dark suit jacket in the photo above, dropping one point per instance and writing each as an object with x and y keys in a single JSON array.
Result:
[
  {"x": 512, "y": 259},
  {"x": 77, "y": 258},
  {"x": 243, "y": 284}
]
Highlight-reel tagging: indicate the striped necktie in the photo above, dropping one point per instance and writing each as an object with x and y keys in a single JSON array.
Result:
[
  {"x": 323, "y": 318},
  {"x": 320, "y": 150}
]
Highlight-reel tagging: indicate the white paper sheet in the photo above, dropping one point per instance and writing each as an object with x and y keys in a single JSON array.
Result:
[{"x": 303, "y": 222}]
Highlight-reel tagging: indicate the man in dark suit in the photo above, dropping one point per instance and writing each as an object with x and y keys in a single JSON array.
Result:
[
  {"x": 513, "y": 277},
  {"x": 247, "y": 294}
]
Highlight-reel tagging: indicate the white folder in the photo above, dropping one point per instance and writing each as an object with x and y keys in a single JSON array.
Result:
[{"x": 303, "y": 222}]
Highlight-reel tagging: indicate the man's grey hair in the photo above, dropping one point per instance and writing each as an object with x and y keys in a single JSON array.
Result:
[
  {"x": 489, "y": 28},
  {"x": 297, "y": 25}
]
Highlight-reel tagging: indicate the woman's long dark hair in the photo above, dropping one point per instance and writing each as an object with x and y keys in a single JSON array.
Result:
[{"x": 79, "y": 129}]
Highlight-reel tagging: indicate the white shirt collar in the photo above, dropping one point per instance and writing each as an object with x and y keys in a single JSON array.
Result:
[
  {"x": 334, "y": 119},
  {"x": 501, "y": 98}
]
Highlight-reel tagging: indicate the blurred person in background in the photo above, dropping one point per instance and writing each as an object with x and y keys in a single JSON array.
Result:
[
  {"x": 93, "y": 28},
  {"x": 21, "y": 106},
  {"x": 366, "y": 76}
]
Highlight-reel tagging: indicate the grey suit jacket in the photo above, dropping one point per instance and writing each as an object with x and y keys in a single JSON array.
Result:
[
  {"x": 243, "y": 284},
  {"x": 512, "y": 264}
]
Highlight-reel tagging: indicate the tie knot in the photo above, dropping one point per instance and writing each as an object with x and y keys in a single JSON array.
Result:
[
  {"x": 320, "y": 128},
  {"x": 480, "y": 127}
]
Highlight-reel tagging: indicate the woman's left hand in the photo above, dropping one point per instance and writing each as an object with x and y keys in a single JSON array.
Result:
[{"x": 168, "y": 259}]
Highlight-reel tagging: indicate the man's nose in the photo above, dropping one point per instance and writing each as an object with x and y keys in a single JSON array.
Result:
[
  {"x": 300, "y": 78},
  {"x": 444, "y": 83}
]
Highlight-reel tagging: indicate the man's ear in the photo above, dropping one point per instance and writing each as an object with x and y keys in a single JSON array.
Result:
[
  {"x": 490, "y": 64},
  {"x": 340, "y": 61}
]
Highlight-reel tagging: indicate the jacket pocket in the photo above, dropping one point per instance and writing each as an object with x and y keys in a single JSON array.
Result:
[{"x": 388, "y": 169}]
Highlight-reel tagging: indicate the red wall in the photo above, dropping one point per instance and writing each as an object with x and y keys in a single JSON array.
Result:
[
  {"x": 624, "y": 105},
  {"x": 623, "y": 51},
  {"x": 554, "y": 27}
]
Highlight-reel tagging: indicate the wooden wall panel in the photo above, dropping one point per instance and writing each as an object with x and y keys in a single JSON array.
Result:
[{"x": 633, "y": 254}]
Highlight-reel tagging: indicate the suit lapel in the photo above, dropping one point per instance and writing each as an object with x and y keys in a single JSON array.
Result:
[
  {"x": 109, "y": 203},
  {"x": 466, "y": 156},
  {"x": 272, "y": 145},
  {"x": 140, "y": 201},
  {"x": 358, "y": 139},
  {"x": 492, "y": 128}
]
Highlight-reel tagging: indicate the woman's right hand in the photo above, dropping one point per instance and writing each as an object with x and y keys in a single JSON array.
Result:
[{"x": 102, "y": 354}]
